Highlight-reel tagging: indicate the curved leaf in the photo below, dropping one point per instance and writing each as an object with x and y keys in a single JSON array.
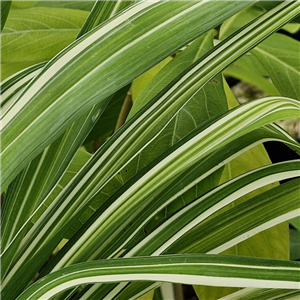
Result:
[{"x": 195, "y": 269}]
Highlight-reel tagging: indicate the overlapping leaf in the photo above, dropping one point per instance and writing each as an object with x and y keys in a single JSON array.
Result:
[{"x": 59, "y": 107}]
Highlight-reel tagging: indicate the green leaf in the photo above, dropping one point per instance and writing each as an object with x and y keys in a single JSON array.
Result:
[
  {"x": 23, "y": 4},
  {"x": 118, "y": 71},
  {"x": 296, "y": 223},
  {"x": 282, "y": 64},
  {"x": 106, "y": 124},
  {"x": 194, "y": 269},
  {"x": 239, "y": 20},
  {"x": 291, "y": 28},
  {"x": 80, "y": 158},
  {"x": 249, "y": 69},
  {"x": 206, "y": 103},
  {"x": 46, "y": 27},
  {"x": 82, "y": 5},
  {"x": 294, "y": 244},
  {"x": 5, "y": 7},
  {"x": 140, "y": 83},
  {"x": 266, "y": 4}
]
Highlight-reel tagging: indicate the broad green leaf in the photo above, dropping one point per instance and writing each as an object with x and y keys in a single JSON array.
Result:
[
  {"x": 82, "y": 5},
  {"x": 77, "y": 4},
  {"x": 172, "y": 268},
  {"x": 249, "y": 69},
  {"x": 45, "y": 129},
  {"x": 291, "y": 28},
  {"x": 281, "y": 63},
  {"x": 239, "y": 20},
  {"x": 51, "y": 29},
  {"x": 5, "y": 7},
  {"x": 142, "y": 81},
  {"x": 206, "y": 103}
]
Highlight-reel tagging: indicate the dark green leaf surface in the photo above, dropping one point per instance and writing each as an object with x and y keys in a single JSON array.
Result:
[
  {"x": 5, "y": 7},
  {"x": 106, "y": 124},
  {"x": 294, "y": 244}
]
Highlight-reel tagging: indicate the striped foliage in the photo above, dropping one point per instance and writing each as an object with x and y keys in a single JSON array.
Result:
[
  {"x": 145, "y": 23},
  {"x": 48, "y": 110}
]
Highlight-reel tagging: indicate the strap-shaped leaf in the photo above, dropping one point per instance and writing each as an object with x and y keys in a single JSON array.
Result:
[
  {"x": 70, "y": 83},
  {"x": 216, "y": 270}
]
